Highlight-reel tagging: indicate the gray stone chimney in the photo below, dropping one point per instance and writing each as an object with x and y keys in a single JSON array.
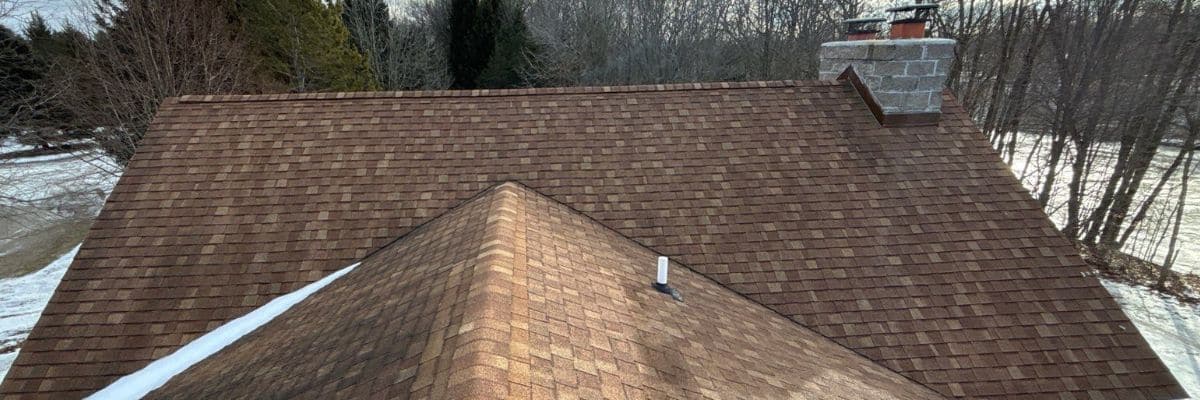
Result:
[{"x": 905, "y": 77}]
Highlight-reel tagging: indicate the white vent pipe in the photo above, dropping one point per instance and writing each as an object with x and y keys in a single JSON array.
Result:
[{"x": 662, "y": 270}]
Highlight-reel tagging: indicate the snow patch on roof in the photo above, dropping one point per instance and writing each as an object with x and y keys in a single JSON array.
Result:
[{"x": 145, "y": 380}]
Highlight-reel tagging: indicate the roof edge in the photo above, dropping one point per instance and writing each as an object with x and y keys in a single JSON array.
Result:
[{"x": 186, "y": 99}]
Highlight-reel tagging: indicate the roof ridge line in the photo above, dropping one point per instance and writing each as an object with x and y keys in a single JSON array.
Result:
[
  {"x": 475, "y": 361},
  {"x": 229, "y": 98}
]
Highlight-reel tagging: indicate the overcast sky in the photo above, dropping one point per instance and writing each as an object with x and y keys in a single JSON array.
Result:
[{"x": 55, "y": 11}]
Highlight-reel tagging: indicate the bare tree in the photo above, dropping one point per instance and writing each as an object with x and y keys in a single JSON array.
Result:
[
  {"x": 1180, "y": 206},
  {"x": 1097, "y": 86},
  {"x": 12, "y": 8},
  {"x": 641, "y": 41},
  {"x": 144, "y": 51}
]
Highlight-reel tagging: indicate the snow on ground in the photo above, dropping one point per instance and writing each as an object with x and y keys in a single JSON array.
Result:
[
  {"x": 46, "y": 178},
  {"x": 22, "y": 304},
  {"x": 150, "y": 377},
  {"x": 38, "y": 197},
  {"x": 1171, "y": 327}
]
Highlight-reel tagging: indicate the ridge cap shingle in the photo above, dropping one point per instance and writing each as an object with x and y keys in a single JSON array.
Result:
[
  {"x": 472, "y": 364},
  {"x": 234, "y": 98}
]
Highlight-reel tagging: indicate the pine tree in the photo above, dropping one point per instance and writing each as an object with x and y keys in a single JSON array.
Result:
[
  {"x": 19, "y": 73},
  {"x": 513, "y": 49},
  {"x": 53, "y": 51},
  {"x": 488, "y": 42},
  {"x": 305, "y": 44},
  {"x": 49, "y": 45},
  {"x": 471, "y": 40}
]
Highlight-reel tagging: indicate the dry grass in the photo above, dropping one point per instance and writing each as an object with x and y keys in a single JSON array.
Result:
[
  {"x": 1122, "y": 267},
  {"x": 30, "y": 252}
]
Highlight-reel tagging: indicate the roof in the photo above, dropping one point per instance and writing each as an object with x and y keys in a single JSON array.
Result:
[
  {"x": 513, "y": 293},
  {"x": 915, "y": 247}
]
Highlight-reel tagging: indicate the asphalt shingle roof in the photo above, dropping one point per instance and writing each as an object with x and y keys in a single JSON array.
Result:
[
  {"x": 915, "y": 247},
  {"x": 514, "y": 294}
]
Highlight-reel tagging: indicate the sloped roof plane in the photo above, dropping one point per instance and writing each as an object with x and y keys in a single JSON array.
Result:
[
  {"x": 513, "y": 293},
  {"x": 915, "y": 247}
]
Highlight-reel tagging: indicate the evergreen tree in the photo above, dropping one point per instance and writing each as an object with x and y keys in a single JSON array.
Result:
[
  {"x": 488, "y": 43},
  {"x": 53, "y": 51},
  {"x": 513, "y": 49},
  {"x": 305, "y": 44},
  {"x": 48, "y": 45},
  {"x": 472, "y": 39},
  {"x": 19, "y": 73}
]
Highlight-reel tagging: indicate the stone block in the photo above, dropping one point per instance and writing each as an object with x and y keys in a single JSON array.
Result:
[
  {"x": 881, "y": 52},
  {"x": 898, "y": 83},
  {"x": 891, "y": 68},
  {"x": 889, "y": 99},
  {"x": 919, "y": 68},
  {"x": 844, "y": 50},
  {"x": 908, "y": 51},
  {"x": 864, "y": 68},
  {"x": 942, "y": 67},
  {"x": 917, "y": 102},
  {"x": 872, "y": 81},
  {"x": 939, "y": 50},
  {"x": 931, "y": 83}
]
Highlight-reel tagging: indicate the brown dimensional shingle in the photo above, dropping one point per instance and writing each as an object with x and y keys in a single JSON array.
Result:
[
  {"x": 514, "y": 294},
  {"x": 915, "y": 247}
]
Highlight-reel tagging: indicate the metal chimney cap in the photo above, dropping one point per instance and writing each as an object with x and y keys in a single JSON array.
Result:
[
  {"x": 864, "y": 20},
  {"x": 912, "y": 7}
]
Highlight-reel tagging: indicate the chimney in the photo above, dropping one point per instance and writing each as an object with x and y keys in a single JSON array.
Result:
[{"x": 900, "y": 78}]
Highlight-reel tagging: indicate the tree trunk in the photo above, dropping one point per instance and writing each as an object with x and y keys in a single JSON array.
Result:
[{"x": 1172, "y": 252}]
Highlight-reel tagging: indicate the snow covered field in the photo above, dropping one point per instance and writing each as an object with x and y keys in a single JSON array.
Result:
[
  {"x": 22, "y": 304},
  {"x": 1172, "y": 328},
  {"x": 59, "y": 182},
  {"x": 46, "y": 204}
]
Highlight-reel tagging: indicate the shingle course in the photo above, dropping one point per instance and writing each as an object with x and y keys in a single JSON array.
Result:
[{"x": 913, "y": 246}]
